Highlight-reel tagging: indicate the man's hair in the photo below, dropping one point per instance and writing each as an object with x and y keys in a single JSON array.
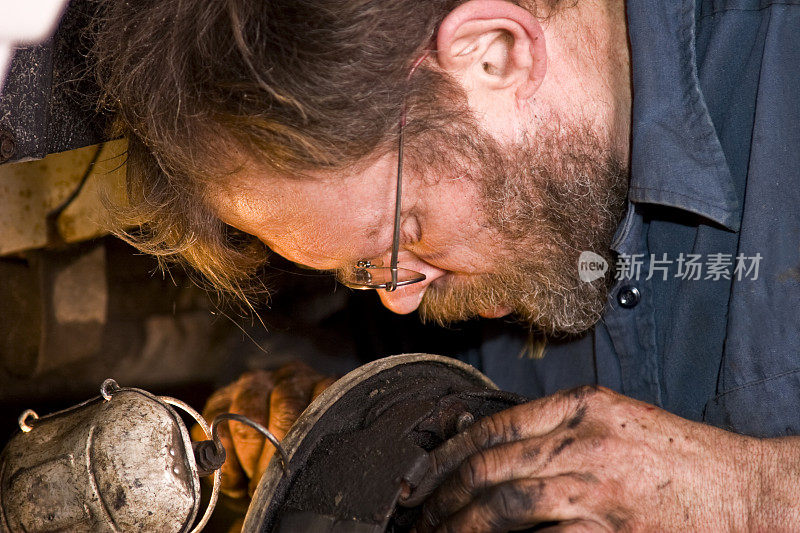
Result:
[{"x": 294, "y": 84}]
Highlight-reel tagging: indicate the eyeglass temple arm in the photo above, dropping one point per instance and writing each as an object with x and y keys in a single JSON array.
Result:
[
  {"x": 397, "y": 201},
  {"x": 396, "y": 238}
]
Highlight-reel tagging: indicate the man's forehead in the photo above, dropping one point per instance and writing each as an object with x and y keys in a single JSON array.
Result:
[
  {"x": 239, "y": 199},
  {"x": 310, "y": 209},
  {"x": 254, "y": 189},
  {"x": 355, "y": 184}
]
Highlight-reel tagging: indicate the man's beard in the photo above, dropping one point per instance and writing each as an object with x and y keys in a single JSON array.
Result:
[{"x": 549, "y": 199}]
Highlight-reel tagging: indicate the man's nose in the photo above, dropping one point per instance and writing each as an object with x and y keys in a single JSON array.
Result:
[{"x": 406, "y": 299}]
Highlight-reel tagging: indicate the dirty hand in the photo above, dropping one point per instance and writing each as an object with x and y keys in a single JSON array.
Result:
[
  {"x": 275, "y": 400},
  {"x": 589, "y": 460}
]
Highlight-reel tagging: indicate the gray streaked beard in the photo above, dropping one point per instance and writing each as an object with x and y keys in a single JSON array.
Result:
[{"x": 549, "y": 198}]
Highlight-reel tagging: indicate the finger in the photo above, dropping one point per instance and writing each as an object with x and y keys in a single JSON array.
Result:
[
  {"x": 250, "y": 399},
  {"x": 538, "y": 457},
  {"x": 482, "y": 470},
  {"x": 233, "y": 479},
  {"x": 515, "y": 505},
  {"x": 321, "y": 385},
  {"x": 232, "y": 474},
  {"x": 522, "y": 421},
  {"x": 289, "y": 398},
  {"x": 218, "y": 402},
  {"x": 295, "y": 368}
]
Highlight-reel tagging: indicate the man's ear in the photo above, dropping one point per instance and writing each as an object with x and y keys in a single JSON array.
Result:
[{"x": 493, "y": 45}]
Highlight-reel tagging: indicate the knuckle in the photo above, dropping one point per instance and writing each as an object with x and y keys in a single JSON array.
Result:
[
  {"x": 244, "y": 434},
  {"x": 491, "y": 431},
  {"x": 253, "y": 380},
  {"x": 483, "y": 433},
  {"x": 473, "y": 472},
  {"x": 294, "y": 369},
  {"x": 287, "y": 403},
  {"x": 284, "y": 420},
  {"x": 435, "y": 465},
  {"x": 605, "y": 390},
  {"x": 599, "y": 443},
  {"x": 595, "y": 438},
  {"x": 507, "y": 502},
  {"x": 584, "y": 392}
]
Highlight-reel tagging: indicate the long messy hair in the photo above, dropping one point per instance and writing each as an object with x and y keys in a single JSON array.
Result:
[{"x": 295, "y": 84}]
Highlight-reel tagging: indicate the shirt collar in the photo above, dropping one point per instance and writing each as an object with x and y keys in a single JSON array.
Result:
[{"x": 676, "y": 157}]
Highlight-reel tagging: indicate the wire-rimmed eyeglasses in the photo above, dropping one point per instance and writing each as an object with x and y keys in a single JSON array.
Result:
[{"x": 365, "y": 275}]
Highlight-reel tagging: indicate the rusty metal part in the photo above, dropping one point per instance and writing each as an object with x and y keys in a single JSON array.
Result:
[
  {"x": 32, "y": 190},
  {"x": 209, "y": 457},
  {"x": 124, "y": 464},
  {"x": 54, "y": 234},
  {"x": 365, "y": 441}
]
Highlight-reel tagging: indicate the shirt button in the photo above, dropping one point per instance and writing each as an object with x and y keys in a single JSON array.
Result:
[{"x": 628, "y": 296}]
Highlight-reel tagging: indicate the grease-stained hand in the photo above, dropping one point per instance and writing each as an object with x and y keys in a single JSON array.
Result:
[
  {"x": 589, "y": 459},
  {"x": 274, "y": 399}
]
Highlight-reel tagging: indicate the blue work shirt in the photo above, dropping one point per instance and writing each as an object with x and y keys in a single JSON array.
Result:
[{"x": 715, "y": 181}]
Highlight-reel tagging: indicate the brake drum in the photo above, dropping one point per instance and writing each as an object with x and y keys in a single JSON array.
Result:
[{"x": 365, "y": 440}]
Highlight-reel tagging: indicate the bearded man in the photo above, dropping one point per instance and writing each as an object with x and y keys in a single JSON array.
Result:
[{"x": 538, "y": 140}]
